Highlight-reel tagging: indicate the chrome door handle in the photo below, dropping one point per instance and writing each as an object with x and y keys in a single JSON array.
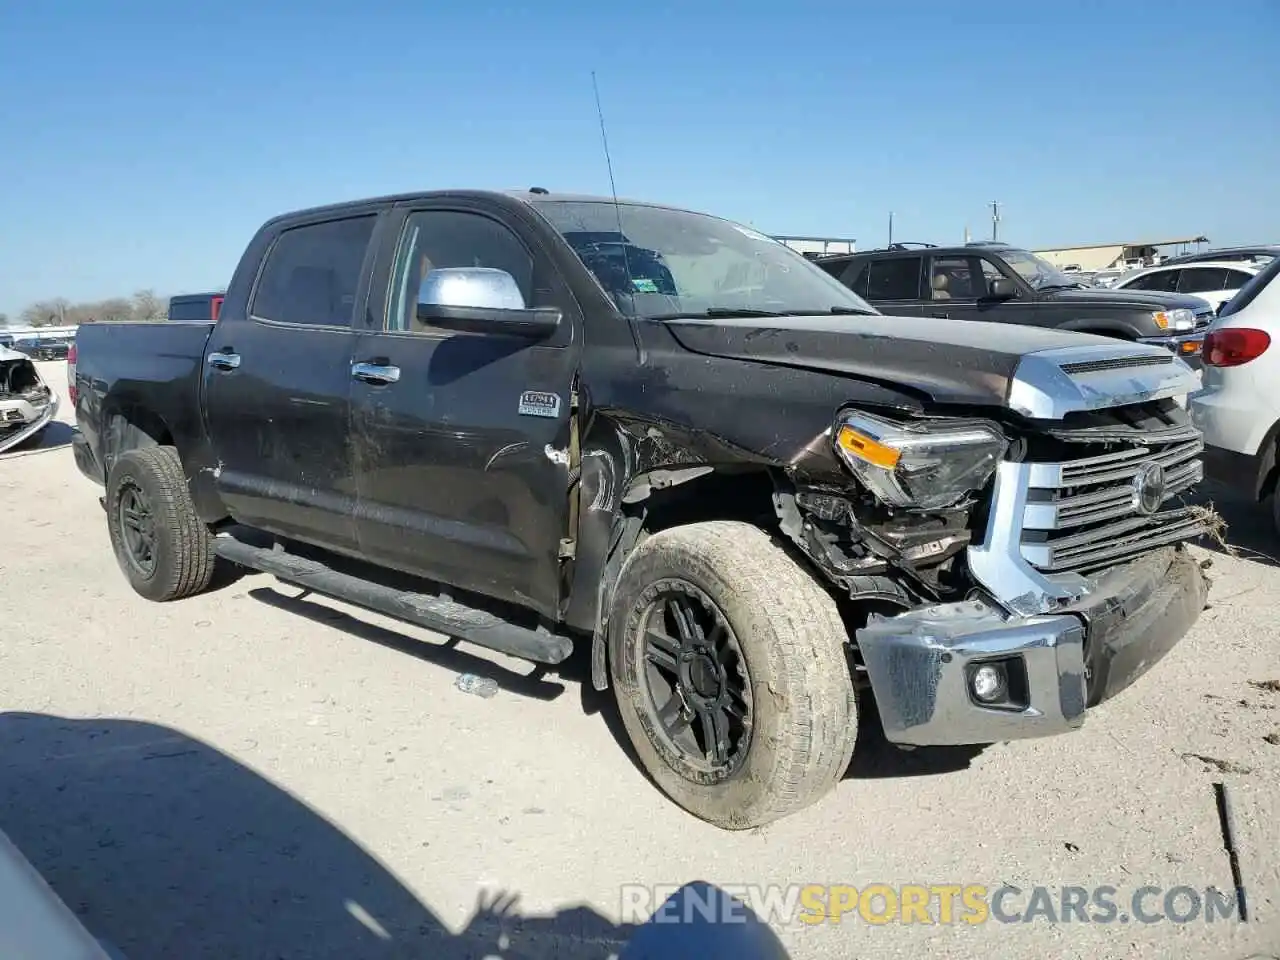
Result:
[
  {"x": 375, "y": 373},
  {"x": 224, "y": 361}
]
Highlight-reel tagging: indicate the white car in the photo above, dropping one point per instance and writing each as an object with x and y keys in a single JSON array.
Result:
[
  {"x": 27, "y": 405},
  {"x": 1238, "y": 407},
  {"x": 1215, "y": 281}
]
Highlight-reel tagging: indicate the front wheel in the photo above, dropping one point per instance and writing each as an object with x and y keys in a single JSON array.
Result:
[
  {"x": 164, "y": 550},
  {"x": 730, "y": 670}
]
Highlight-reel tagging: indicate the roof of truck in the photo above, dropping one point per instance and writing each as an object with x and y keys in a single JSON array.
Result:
[{"x": 530, "y": 196}]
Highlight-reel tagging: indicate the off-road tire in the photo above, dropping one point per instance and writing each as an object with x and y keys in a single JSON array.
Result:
[
  {"x": 183, "y": 546},
  {"x": 794, "y": 644}
]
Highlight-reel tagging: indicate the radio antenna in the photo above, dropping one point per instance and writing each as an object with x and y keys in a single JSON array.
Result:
[{"x": 617, "y": 207}]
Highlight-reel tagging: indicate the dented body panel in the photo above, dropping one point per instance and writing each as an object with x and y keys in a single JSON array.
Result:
[{"x": 526, "y": 470}]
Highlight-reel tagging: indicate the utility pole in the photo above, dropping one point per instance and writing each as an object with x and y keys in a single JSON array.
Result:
[
  {"x": 891, "y": 228},
  {"x": 995, "y": 219}
]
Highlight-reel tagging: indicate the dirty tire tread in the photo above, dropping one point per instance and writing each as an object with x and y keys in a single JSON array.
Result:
[
  {"x": 187, "y": 556},
  {"x": 792, "y": 635}
]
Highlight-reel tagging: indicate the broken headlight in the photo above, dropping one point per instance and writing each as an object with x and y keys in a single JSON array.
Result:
[{"x": 928, "y": 465}]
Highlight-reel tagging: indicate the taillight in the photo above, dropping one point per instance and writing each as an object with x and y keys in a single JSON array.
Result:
[
  {"x": 71, "y": 372},
  {"x": 1234, "y": 346},
  {"x": 216, "y": 305}
]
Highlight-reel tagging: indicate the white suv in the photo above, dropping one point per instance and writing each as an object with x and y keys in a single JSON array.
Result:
[
  {"x": 1238, "y": 407},
  {"x": 1214, "y": 281}
]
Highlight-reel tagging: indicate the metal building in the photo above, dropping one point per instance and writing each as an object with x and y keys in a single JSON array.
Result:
[{"x": 1126, "y": 254}]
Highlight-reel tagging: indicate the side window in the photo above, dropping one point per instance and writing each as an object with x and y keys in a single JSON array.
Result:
[
  {"x": 1237, "y": 279},
  {"x": 952, "y": 278},
  {"x": 435, "y": 239},
  {"x": 312, "y": 273},
  {"x": 896, "y": 278},
  {"x": 989, "y": 272},
  {"x": 1202, "y": 280},
  {"x": 1162, "y": 281},
  {"x": 857, "y": 276}
]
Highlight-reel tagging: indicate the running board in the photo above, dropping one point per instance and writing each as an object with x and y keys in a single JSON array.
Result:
[{"x": 433, "y": 612}]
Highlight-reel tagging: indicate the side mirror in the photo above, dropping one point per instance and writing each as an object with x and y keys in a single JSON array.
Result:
[
  {"x": 481, "y": 300},
  {"x": 1002, "y": 288}
]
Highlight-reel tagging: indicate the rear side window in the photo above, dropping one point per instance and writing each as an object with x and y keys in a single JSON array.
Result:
[
  {"x": 1237, "y": 279},
  {"x": 312, "y": 273},
  {"x": 893, "y": 279},
  {"x": 1202, "y": 280}
]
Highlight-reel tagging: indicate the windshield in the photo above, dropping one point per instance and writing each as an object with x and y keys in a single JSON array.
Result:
[
  {"x": 1038, "y": 272},
  {"x": 661, "y": 263}
]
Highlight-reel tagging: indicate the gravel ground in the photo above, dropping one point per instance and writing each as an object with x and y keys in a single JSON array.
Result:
[{"x": 250, "y": 774}]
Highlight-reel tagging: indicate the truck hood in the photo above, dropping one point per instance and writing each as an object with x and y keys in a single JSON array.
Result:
[
  {"x": 1137, "y": 299},
  {"x": 949, "y": 361},
  {"x": 1039, "y": 373}
]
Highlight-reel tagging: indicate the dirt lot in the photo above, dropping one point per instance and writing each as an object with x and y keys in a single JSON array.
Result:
[{"x": 249, "y": 774}]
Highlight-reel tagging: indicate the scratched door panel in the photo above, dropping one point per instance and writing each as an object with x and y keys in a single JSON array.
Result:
[{"x": 462, "y": 464}]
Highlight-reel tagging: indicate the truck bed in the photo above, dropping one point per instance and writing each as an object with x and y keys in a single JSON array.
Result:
[{"x": 157, "y": 367}]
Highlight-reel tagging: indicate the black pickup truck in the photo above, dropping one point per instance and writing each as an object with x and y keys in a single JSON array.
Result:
[
  {"x": 1002, "y": 283},
  {"x": 543, "y": 422}
]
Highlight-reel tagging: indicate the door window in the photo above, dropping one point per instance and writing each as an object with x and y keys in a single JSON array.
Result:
[
  {"x": 857, "y": 276},
  {"x": 1237, "y": 279},
  {"x": 894, "y": 279},
  {"x": 1161, "y": 281},
  {"x": 990, "y": 272},
  {"x": 1202, "y": 280},
  {"x": 436, "y": 239},
  {"x": 312, "y": 273},
  {"x": 954, "y": 278}
]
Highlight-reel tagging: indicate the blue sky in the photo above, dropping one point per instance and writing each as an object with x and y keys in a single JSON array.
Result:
[{"x": 143, "y": 142}]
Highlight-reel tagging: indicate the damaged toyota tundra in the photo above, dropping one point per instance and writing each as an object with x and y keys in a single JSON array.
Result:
[
  {"x": 759, "y": 508},
  {"x": 27, "y": 405}
]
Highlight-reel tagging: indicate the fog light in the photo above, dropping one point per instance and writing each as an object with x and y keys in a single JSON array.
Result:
[{"x": 990, "y": 683}]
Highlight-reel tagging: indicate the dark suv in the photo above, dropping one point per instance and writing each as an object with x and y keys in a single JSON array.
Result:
[{"x": 995, "y": 281}]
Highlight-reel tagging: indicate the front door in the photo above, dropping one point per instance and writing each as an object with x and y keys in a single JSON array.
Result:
[
  {"x": 278, "y": 383},
  {"x": 462, "y": 448},
  {"x": 955, "y": 288}
]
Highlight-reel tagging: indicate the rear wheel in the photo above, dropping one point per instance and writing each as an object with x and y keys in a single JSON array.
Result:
[
  {"x": 729, "y": 667},
  {"x": 164, "y": 550}
]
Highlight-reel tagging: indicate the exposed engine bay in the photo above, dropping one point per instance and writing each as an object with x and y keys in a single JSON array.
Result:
[{"x": 27, "y": 405}]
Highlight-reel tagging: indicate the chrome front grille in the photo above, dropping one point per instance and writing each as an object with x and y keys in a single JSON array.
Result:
[{"x": 1088, "y": 513}]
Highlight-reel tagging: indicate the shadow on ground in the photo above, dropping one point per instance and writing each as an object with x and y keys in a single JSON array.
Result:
[
  {"x": 53, "y": 437},
  {"x": 1250, "y": 532},
  {"x": 165, "y": 847}
]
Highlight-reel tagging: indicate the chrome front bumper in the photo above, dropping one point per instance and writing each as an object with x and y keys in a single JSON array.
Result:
[
  {"x": 34, "y": 419},
  {"x": 920, "y": 662}
]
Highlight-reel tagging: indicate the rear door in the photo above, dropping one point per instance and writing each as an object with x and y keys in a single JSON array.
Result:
[
  {"x": 462, "y": 452},
  {"x": 278, "y": 383},
  {"x": 893, "y": 285}
]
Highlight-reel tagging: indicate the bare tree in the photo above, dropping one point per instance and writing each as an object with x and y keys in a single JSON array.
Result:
[
  {"x": 148, "y": 306},
  {"x": 59, "y": 311}
]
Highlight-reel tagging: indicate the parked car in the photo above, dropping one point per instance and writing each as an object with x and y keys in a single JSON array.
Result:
[
  {"x": 199, "y": 307},
  {"x": 27, "y": 404},
  {"x": 998, "y": 282},
  {"x": 1260, "y": 255},
  {"x": 1215, "y": 282},
  {"x": 541, "y": 422},
  {"x": 34, "y": 921},
  {"x": 1238, "y": 408}
]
